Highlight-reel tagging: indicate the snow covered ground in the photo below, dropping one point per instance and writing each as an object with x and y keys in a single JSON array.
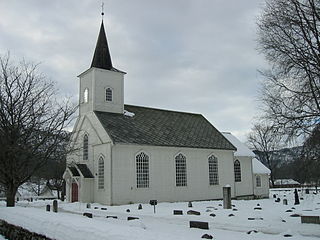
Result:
[{"x": 262, "y": 219}]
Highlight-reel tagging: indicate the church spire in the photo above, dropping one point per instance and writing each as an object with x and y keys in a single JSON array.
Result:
[{"x": 101, "y": 57}]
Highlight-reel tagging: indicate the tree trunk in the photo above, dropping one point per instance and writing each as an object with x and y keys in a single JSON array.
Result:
[{"x": 10, "y": 194}]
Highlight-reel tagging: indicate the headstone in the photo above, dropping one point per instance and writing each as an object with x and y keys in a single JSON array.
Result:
[
  {"x": 190, "y": 204},
  {"x": 31, "y": 199},
  {"x": 257, "y": 208},
  {"x": 295, "y": 215},
  {"x": 128, "y": 210},
  {"x": 62, "y": 197},
  {"x": 104, "y": 208},
  {"x": 231, "y": 215},
  {"x": 307, "y": 191},
  {"x": 296, "y": 197},
  {"x": 55, "y": 206},
  {"x": 192, "y": 212},
  {"x": 289, "y": 210},
  {"x": 252, "y": 231},
  {"x": 198, "y": 224},
  {"x": 86, "y": 214},
  {"x": 287, "y": 235},
  {"x": 177, "y": 212},
  {"x": 226, "y": 197},
  {"x": 277, "y": 200},
  {"x": 88, "y": 205},
  {"x": 139, "y": 207},
  {"x": 310, "y": 219},
  {"x": 207, "y": 236},
  {"x": 132, "y": 218},
  {"x": 115, "y": 217},
  {"x": 234, "y": 209},
  {"x": 212, "y": 215},
  {"x": 48, "y": 207},
  {"x": 285, "y": 201},
  {"x": 274, "y": 196}
]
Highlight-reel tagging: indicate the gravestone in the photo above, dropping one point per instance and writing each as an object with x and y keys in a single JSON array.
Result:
[
  {"x": 190, "y": 204},
  {"x": 104, "y": 208},
  {"x": 139, "y": 207},
  {"x": 115, "y": 217},
  {"x": 207, "y": 236},
  {"x": 310, "y": 219},
  {"x": 86, "y": 214},
  {"x": 198, "y": 224},
  {"x": 132, "y": 218},
  {"x": 296, "y": 197},
  {"x": 177, "y": 212},
  {"x": 48, "y": 208},
  {"x": 55, "y": 206},
  {"x": 274, "y": 196},
  {"x": 192, "y": 212},
  {"x": 88, "y": 205},
  {"x": 226, "y": 197},
  {"x": 285, "y": 201},
  {"x": 307, "y": 191},
  {"x": 277, "y": 200},
  {"x": 128, "y": 210}
]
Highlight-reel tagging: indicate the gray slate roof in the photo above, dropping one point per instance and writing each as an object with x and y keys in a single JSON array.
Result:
[
  {"x": 158, "y": 127},
  {"x": 85, "y": 171}
]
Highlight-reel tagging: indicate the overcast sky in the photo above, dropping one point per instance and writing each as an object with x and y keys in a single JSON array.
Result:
[{"x": 186, "y": 55}]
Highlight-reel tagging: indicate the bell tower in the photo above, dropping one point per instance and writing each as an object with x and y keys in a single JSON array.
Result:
[{"x": 102, "y": 85}]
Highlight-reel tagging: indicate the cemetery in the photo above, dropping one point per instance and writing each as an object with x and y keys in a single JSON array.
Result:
[{"x": 287, "y": 214}]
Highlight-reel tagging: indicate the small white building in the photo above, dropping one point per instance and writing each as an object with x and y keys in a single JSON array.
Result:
[
  {"x": 261, "y": 179},
  {"x": 128, "y": 154}
]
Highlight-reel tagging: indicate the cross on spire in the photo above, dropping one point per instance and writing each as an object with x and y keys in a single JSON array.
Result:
[{"x": 102, "y": 10}]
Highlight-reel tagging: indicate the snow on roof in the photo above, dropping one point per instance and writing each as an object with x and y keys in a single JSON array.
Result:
[
  {"x": 285, "y": 182},
  {"x": 242, "y": 149},
  {"x": 259, "y": 168}
]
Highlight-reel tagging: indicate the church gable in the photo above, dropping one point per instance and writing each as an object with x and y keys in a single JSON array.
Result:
[{"x": 157, "y": 127}]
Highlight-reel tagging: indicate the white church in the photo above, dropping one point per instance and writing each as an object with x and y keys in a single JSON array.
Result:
[{"x": 132, "y": 154}]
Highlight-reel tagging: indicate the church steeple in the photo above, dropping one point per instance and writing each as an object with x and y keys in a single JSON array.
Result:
[{"x": 101, "y": 57}]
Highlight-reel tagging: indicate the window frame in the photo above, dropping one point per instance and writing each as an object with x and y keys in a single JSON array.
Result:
[
  {"x": 142, "y": 162},
  {"x": 237, "y": 170},
  {"x": 213, "y": 169},
  {"x": 101, "y": 169},
  {"x": 108, "y": 93},
  {"x": 181, "y": 170},
  {"x": 85, "y": 142},
  {"x": 86, "y": 95},
  {"x": 258, "y": 181}
]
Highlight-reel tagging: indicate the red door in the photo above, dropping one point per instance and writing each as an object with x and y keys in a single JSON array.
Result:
[{"x": 74, "y": 192}]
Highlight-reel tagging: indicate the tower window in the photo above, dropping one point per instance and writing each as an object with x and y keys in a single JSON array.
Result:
[
  {"x": 109, "y": 95},
  {"x": 237, "y": 171},
  {"x": 85, "y": 147},
  {"x": 213, "y": 170},
  {"x": 101, "y": 173},
  {"x": 142, "y": 167},
  {"x": 86, "y": 95},
  {"x": 181, "y": 170}
]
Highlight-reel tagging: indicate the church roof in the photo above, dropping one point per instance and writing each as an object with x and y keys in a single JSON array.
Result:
[
  {"x": 156, "y": 127},
  {"x": 85, "y": 171},
  {"x": 101, "y": 57}
]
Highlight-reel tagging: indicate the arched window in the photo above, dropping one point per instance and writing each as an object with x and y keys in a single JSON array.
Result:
[
  {"x": 109, "y": 95},
  {"x": 237, "y": 171},
  {"x": 86, "y": 95},
  {"x": 213, "y": 170},
  {"x": 258, "y": 181},
  {"x": 101, "y": 173},
  {"x": 85, "y": 147},
  {"x": 142, "y": 167},
  {"x": 181, "y": 170}
]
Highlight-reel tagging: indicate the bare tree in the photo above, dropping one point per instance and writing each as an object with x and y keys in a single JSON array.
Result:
[
  {"x": 31, "y": 120},
  {"x": 266, "y": 140},
  {"x": 289, "y": 37}
]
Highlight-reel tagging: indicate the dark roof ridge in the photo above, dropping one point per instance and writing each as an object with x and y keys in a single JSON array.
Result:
[{"x": 161, "y": 109}]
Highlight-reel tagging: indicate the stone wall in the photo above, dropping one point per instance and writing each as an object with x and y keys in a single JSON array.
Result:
[{"x": 12, "y": 232}]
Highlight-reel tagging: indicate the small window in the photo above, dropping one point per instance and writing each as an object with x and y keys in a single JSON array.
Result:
[
  {"x": 109, "y": 95},
  {"x": 101, "y": 173},
  {"x": 237, "y": 171},
  {"x": 258, "y": 181},
  {"x": 213, "y": 170},
  {"x": 85, "y": 147},
  {"x": 142, "y": 167},
  {"x": 86, "y": 95},
  {"x": 181, "y": 170}
]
